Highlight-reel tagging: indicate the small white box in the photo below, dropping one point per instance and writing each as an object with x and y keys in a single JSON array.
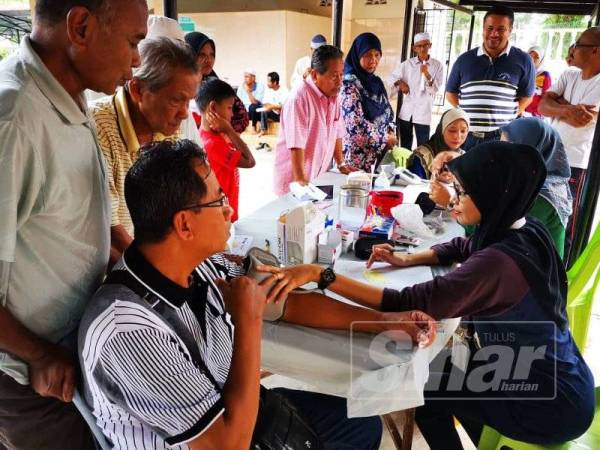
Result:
[
  {"x": 297, "y": 233},
  {"x": 329, "y": 247}
]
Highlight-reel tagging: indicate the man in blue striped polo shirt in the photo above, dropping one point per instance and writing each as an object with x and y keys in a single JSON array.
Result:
[{"x": 493, "y": 83}]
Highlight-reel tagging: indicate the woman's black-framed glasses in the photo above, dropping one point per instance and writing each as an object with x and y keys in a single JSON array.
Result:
[{"x": 219, "y": 203}]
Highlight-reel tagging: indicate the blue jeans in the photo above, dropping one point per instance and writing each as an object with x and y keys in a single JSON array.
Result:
[
  {"x": 328, "y": 416},
  {"x": 406, "y": 133}
]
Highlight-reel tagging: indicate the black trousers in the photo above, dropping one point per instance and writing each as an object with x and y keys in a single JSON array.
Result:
[
  {"x": 406, "y": 133},
  {"x": 265, "y": 116},
  {"x": 254, "y": 115},
  {"x": 30, "y": 421}
]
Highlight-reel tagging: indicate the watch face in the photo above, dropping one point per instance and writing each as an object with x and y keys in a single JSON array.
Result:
[{"x": 329, "y": 275}]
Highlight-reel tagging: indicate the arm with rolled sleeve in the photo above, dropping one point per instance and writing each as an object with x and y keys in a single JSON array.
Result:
[{"x": 437, "y": 79}]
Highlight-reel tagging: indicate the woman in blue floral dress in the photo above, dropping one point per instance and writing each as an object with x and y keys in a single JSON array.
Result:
[{"x": 367, "y": 112}]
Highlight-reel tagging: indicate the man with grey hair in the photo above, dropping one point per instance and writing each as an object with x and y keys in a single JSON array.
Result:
[
  {"x": 152, "y": 106},
  {"x": 54, "y": 224},
  {"x": 312, "y": 126}
]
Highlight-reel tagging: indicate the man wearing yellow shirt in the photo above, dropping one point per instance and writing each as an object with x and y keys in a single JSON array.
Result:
[{"x": 152, "y": 106}]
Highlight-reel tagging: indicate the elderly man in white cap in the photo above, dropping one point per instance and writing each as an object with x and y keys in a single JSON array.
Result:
[
  {"x": 419, "y": 79},
  {"x": 302, "y": 67},
  {"x": 251, "y": 93}
]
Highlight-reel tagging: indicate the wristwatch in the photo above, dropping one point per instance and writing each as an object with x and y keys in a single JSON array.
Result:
[{"x": 327, "y": 277}]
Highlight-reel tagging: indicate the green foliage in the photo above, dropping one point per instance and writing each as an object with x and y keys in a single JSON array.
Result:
[
  {"x": 4, "y": 52},
  {"x": 563, "y": 21}
]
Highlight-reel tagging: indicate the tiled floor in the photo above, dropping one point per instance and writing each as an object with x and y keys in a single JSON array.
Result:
[{"x": 256, "y": 190}]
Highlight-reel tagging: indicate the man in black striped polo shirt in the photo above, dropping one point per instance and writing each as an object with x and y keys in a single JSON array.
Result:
[
  {"x": 170, "y": 344},
  {"x": 493, "y": 83}
]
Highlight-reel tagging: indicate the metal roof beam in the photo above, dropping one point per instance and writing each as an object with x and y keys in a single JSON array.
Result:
[{"x": 455, "y": 6}]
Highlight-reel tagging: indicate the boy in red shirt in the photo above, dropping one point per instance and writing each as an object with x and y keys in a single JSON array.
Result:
[{"x": 225, "y": 148}]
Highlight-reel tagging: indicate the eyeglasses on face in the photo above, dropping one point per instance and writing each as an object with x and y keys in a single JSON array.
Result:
[
  {"x": 219, "y": 203},
  {"x": 578, "y": 45}
]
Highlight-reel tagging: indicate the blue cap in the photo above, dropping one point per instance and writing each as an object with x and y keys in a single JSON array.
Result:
[{"x": 317, "y": 41}]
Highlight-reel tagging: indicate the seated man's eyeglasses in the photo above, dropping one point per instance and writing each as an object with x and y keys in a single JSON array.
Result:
[{"x": 219, "y": 203}]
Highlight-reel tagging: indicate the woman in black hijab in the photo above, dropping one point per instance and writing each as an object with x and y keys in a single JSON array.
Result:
[
  {"x": 524, "y": 375},
  {"x": 205, "y": 50}
]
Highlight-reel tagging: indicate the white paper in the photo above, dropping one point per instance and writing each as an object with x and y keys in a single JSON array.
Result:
[
  {"x": 306, "y": 193},
  {"x": 382, "y": 274},
  {"x": 333, "y": 362}
]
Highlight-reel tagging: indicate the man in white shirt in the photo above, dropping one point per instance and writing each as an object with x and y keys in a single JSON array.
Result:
[
  {"x": 419, "y": 79},
  {"x": 275, "y": 97},
  {"x": 302, "y": 67},
  {"x": 573, "y": 102},
  {"x": 251, "y": 93}
]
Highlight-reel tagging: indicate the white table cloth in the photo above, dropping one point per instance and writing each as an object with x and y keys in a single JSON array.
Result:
[{"x": 374, "y": 374}]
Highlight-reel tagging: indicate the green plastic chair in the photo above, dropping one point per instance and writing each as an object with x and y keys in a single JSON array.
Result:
[
  {"x": 584, "y": 278},
  {"x": 397, "y": 156},
  {"x": 590, "y": 440}
]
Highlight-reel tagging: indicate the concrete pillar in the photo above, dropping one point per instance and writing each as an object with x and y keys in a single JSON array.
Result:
[{"x": 157, "y": 6}]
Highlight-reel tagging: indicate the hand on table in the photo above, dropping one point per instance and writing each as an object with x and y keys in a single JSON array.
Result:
[
  {"x": 290, "y": 278},
  {"x": 53, "y": 374},
  {"x": 421, "y": 327},
  {"x": 345, "y": 169},
  {"x": 385, "y": 253}
]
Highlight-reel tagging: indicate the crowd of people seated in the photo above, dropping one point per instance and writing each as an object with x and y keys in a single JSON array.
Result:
[{"x": 115, "y": 216}]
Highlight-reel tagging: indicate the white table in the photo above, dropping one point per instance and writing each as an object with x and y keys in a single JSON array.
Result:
[{"x": 374, "y": 378}]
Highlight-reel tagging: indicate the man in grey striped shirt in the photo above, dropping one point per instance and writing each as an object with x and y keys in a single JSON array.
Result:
[{"x": 174, "y": 361}]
